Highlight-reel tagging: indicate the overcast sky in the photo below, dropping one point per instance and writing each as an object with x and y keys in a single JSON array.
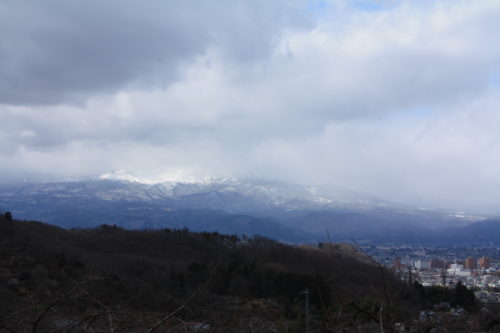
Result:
[{"x": 396, "y": 98}]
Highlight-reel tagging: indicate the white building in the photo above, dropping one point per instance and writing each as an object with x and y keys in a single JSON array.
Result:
[
  {"x": 458, "y": 270},
  {"x": 422, "y": 265}
]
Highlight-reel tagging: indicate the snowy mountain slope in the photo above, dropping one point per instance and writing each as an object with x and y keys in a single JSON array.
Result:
[{"x": 288, "y": 209}]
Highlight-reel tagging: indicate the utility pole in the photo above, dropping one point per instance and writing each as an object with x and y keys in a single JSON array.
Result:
[
  {"x": 443, "y": 277},
  {"x": 306, "y": 292}
]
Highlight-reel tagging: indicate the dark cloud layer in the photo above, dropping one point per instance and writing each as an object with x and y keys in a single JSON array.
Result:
[{"x": 61, "y": 52}]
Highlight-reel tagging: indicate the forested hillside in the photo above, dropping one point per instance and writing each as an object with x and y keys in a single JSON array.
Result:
[{"x": 114, "y": 280}]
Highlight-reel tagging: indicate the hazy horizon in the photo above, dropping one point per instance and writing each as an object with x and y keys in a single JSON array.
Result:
[{"x": 398, "y": 99}]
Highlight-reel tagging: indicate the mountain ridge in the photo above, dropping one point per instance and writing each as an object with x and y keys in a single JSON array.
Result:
[{"x": 288, "y": 212}]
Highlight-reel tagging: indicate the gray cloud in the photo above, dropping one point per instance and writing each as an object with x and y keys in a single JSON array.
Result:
[
  {"x": 397, "y": 101},
  {"x": 57, "y": 51}
]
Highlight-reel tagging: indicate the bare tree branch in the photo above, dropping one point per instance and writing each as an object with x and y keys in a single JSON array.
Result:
[
  {"x": 49, "y": 308},
  {"x": 188, "y": 301},
  {"x": 54, "y": 303},
  {"x": 107, "y": 311},
  {"x": 382, "y": 276}
]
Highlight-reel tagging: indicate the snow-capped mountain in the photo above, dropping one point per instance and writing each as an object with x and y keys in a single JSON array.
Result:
[
  {"x": 206, "y": 191},
  {"x": 239, "y": 205},
  {"x": 121, "y": 175},
  {"x": 170, "y": 176}
]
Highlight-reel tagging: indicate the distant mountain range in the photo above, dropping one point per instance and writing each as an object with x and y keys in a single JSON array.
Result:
[{"x": 287, "y": 212}]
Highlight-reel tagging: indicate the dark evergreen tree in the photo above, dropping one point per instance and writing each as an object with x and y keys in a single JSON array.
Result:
[
  {"x": 7, "y": 216},
  {"x": 464, "y": 297}
]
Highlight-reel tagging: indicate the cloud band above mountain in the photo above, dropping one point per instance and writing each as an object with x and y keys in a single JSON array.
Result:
[{"x": 395, "y": 98}]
